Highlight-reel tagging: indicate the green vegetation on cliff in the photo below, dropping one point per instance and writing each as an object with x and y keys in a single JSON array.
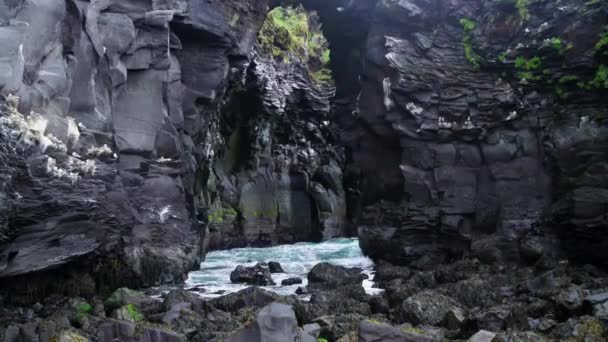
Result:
[
  {"x": 522, "y": 8},
  {"x": 294, "y": 33},
  {"x": 468, "y": 26}
]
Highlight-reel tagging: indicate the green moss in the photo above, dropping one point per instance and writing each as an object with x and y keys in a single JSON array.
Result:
[
  {"x": 502, "y": 57},
  {"x": 556, "y": 43},
  {"x": 270, "y": 213},
  {"x": 531, "y": 64},
  {"x": 602, "y": 43},
  {"x": 522, "y": 8},
  {"x": 589, "y": 329},
  {"x": 84, "y": 308},
  {"x": 121, "y": 296},
  {"x": 468, "y": 26},
  {"x": 321, "y": 339},
  {"x": 414, "y": 331},
  {"x": 135, "y": 315},
  {"x": 322, "y": 76},
  {"x": 295, "y": 33},
  {"x": 326, "y": 58},
  {"x": 601, "y": 77},
  {"x": 568, "y": 79},
  {"x": 221, "y": 215},
  {"x": 528, "y": 76},
  {"x": 561, "y": 93}
]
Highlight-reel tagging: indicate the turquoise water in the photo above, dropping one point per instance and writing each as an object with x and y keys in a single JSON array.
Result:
[{"x": 296, "y": 260}]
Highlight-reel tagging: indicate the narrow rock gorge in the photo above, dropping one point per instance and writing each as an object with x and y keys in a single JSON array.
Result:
[{"x": 463, "y": 142}]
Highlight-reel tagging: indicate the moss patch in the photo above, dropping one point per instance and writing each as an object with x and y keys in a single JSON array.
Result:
[
  {"x": 522, "y": 8},
  {"x": 601, "y": 77},
  {"x": 468, "y": 26},
  {"x": 221, "y": 215},
  {"x": 290, "y": 32},
  {"x": 132, "y": 313},
  {"x": 84, "y": 308},
  {"x": 601, "y": 44}
]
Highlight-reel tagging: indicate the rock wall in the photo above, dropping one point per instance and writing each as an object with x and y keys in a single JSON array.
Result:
[
  {"x": 120, "y": 98},
  {"x": 478, "y": 127}
]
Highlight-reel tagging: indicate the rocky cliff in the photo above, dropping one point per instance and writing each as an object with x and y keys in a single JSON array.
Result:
[
  {"x": 155, "y": 131},
  {"x": 136, "y": 135},
  {"x": 123, "y": 96},
  {"x": 478, "y": 127}
]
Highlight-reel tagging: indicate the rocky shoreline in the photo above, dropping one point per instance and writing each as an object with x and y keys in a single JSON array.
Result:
[{"x": 463, "y": 301}]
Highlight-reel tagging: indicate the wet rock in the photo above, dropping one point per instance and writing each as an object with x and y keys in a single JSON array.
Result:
[
  {"x": 180, "y": 296},
  {"x": 501, "y": 317},
  {"x": 128, "y": 313},
  {"x": 275, "y": 322},
  {"x": 397, "y": 291},
  {"x": 516, "y": 336},
  {"x": 313, "y": 329},
  {"x": 569, "y": 301},
  {"x": 125, "y": 296},
  {"x": 325, "y": 275},
  {"x": 275, "y": 267},
  {"x": 386, "y": 272},
  {"x": 302, "y": 291},
  {"x": 291, "y": 281},
  {"x": 379, "y": 304},
  {"x": 249, "y": 297},
  {"x": 597, "y": 305},
  {"x": 370, "y": 331},
  {"x": 454, "y": 319},
  {"x": 585, "y": 328},
  {"x": 70, "y": 336},
  {"x": 482, "y": 336},
  {"x": 127, "y": 331},
  {"x": 426, "y": 307},
  {"x": 256, "y": 275}
]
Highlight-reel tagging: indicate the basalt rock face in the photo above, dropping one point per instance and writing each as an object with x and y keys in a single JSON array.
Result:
[
  {"x": 477, "y": 128},
  {"x": 277, "y": 177},
  {"x": 101, "y": 174}
]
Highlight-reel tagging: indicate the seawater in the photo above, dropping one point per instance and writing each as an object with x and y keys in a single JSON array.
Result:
[{"x": 296, "y": 260}]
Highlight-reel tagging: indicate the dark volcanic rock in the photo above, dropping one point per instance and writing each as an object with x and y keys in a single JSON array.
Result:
[
  {"x": 427, "y": 307},
  {"x": 249, "y": 297},
  {"x": 473, "y": 147},
  {"x": 105, "y": 175},
  {"x": 375, "y": 331},
  {"x": 256, "y": 275},
  {"x": 275, "y": 322},
  {"x": 275, "y": 267},
  {"x": 291, "y": 281},
  {"x": 328, "y": 276}
]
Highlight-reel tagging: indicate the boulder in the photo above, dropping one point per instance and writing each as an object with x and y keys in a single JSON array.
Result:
[
  {"x": 454, "y": 319},
  {"x": 127, "y": 331},
  {"x": 291, "y": 281},
  {"x": 125, "y": 296},
  {"x": 256, "y": 275},
  {"x": 373, "y": 331},
  {"x": 275, "y": 322},
  {"x": 328, "y": 276},
  {"x": 275, "y": 267},
  {"x": 313, "y": 329},
  {"x": 597, "y": 305},
  {"x": 426, "y": 307},
  {"x": 253, "y": 297},
  {"x": 482, "y": 336}
]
